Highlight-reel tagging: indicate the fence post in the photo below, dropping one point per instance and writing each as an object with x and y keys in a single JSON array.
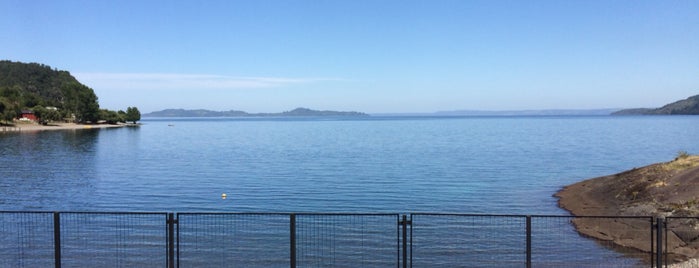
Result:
[
  {"x": 292, "y": 240},
  {"x": 652, "y": 241},
  {"x": 529, "y": 241},
  {"x": 659, "y": 226},
  {"x": 404, "y": 222},
  {"x": 57, "y": 239},
  {"x": 171, "y": 240},
  {"x": 411, "y": 241}
]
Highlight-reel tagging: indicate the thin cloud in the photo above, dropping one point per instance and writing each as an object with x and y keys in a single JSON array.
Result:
[{"x": 146, "y": 81}]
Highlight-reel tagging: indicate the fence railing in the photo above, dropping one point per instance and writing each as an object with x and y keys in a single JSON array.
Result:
[
  {"x": 681, "y": 236},
  {"x": 92, "y": 239}
]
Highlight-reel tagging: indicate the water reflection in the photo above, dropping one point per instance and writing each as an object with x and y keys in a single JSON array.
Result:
[{"x": 47, "y": 169}]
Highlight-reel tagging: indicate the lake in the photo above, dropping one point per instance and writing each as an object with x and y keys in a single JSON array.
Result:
[
  {"x": 408, "y": 165},
  {"x": 501, "y": 165}
]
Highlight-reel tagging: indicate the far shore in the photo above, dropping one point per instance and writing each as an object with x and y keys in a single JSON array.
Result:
[{"x": 32, "y": 127}]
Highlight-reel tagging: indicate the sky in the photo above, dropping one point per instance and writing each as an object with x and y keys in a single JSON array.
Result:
[{"x": 374, "y": 56}]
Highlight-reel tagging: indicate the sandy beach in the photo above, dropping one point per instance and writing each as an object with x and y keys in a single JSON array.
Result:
[{"x": 31, "y": 127}]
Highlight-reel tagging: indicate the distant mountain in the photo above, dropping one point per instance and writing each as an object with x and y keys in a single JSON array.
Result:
[
  {"x": 309, "y": 112},
  {"x": 689, "y": 106},
  {"x": 550, "y": 112},
  {"x": 195, "y": 113},
  {"x": 234, "y": 113}
]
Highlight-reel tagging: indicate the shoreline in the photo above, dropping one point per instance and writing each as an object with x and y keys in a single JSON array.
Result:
[
  {"x": 34, "y": 127},
  {"x": 667, "y": 189}
]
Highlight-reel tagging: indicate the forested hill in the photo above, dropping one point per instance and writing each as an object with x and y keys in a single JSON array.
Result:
[
  {"x": 29, "y": 85},
  {"x": 234, "y": 113},
  {"x": 689, "y": 106}
]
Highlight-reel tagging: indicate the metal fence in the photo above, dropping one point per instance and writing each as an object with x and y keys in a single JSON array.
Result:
[
  {"x": 455, "y": 240},
  {"x": 26, "y": 239},
  {"x": 346, "y": 240},
  {"x": 83, "y": 239},
  {"x": 592, "y": 241},
  {"x": 232, "y": 240},
  {"x": 681, "y": 238},
  {"x": 113, "y": 239},
  {"x": 90, "y": 239}
]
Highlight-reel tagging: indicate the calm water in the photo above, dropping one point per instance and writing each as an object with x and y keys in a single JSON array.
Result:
[
  {"x": 496, "y": 165},
  {"x": 504, "y": 165}
]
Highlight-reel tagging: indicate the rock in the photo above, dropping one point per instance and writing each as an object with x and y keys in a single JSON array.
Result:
[{"x": 668, "y": 189}]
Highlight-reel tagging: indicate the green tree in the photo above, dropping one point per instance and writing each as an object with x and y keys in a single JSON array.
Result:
[
  {"x": 40, "y": 112},
  {"x": 11, "y": 93},
  {"x": 8, "y": 116},
  {"x": 31, "y": 100},
  {"x": 111, "y": 117},
  {"x": 51, "y": 115},
  {"x": 46, "y": 114},
  {"x": 81, "y": 102},
  {"x": 2, "y": 110},
  {"x": 122, "y": 116},
  {"x": 132, "y": 114},
  {"x": 88, "y": 108},
  {"x": 9, "y": 110}
]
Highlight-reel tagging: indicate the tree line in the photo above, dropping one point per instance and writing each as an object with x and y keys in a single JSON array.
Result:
[{"x": 52, "y": 95}]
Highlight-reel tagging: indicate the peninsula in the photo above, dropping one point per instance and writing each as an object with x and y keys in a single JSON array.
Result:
[
  {"x": 689, "y": 106},
  {"x": 33, "y": 93},
  {"x": 667, "y": 189}
]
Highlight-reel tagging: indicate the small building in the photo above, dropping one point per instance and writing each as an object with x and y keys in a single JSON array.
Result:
[{"x": 28, "y": 114}]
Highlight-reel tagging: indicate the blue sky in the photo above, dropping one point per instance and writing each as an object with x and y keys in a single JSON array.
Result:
[{"x": 371, "y": 56}]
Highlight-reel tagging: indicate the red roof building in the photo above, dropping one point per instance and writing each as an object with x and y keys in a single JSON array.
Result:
[{"x": 28, "y": 114}]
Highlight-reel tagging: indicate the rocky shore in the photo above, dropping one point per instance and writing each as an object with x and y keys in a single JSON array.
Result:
[{"x": 663, "y": 190}]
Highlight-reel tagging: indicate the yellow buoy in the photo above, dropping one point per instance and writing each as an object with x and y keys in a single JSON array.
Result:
[{"x": 223, "y": 196}]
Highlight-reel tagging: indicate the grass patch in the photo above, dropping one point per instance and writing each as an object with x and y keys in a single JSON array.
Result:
[{"x": 683, "y": 161}]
